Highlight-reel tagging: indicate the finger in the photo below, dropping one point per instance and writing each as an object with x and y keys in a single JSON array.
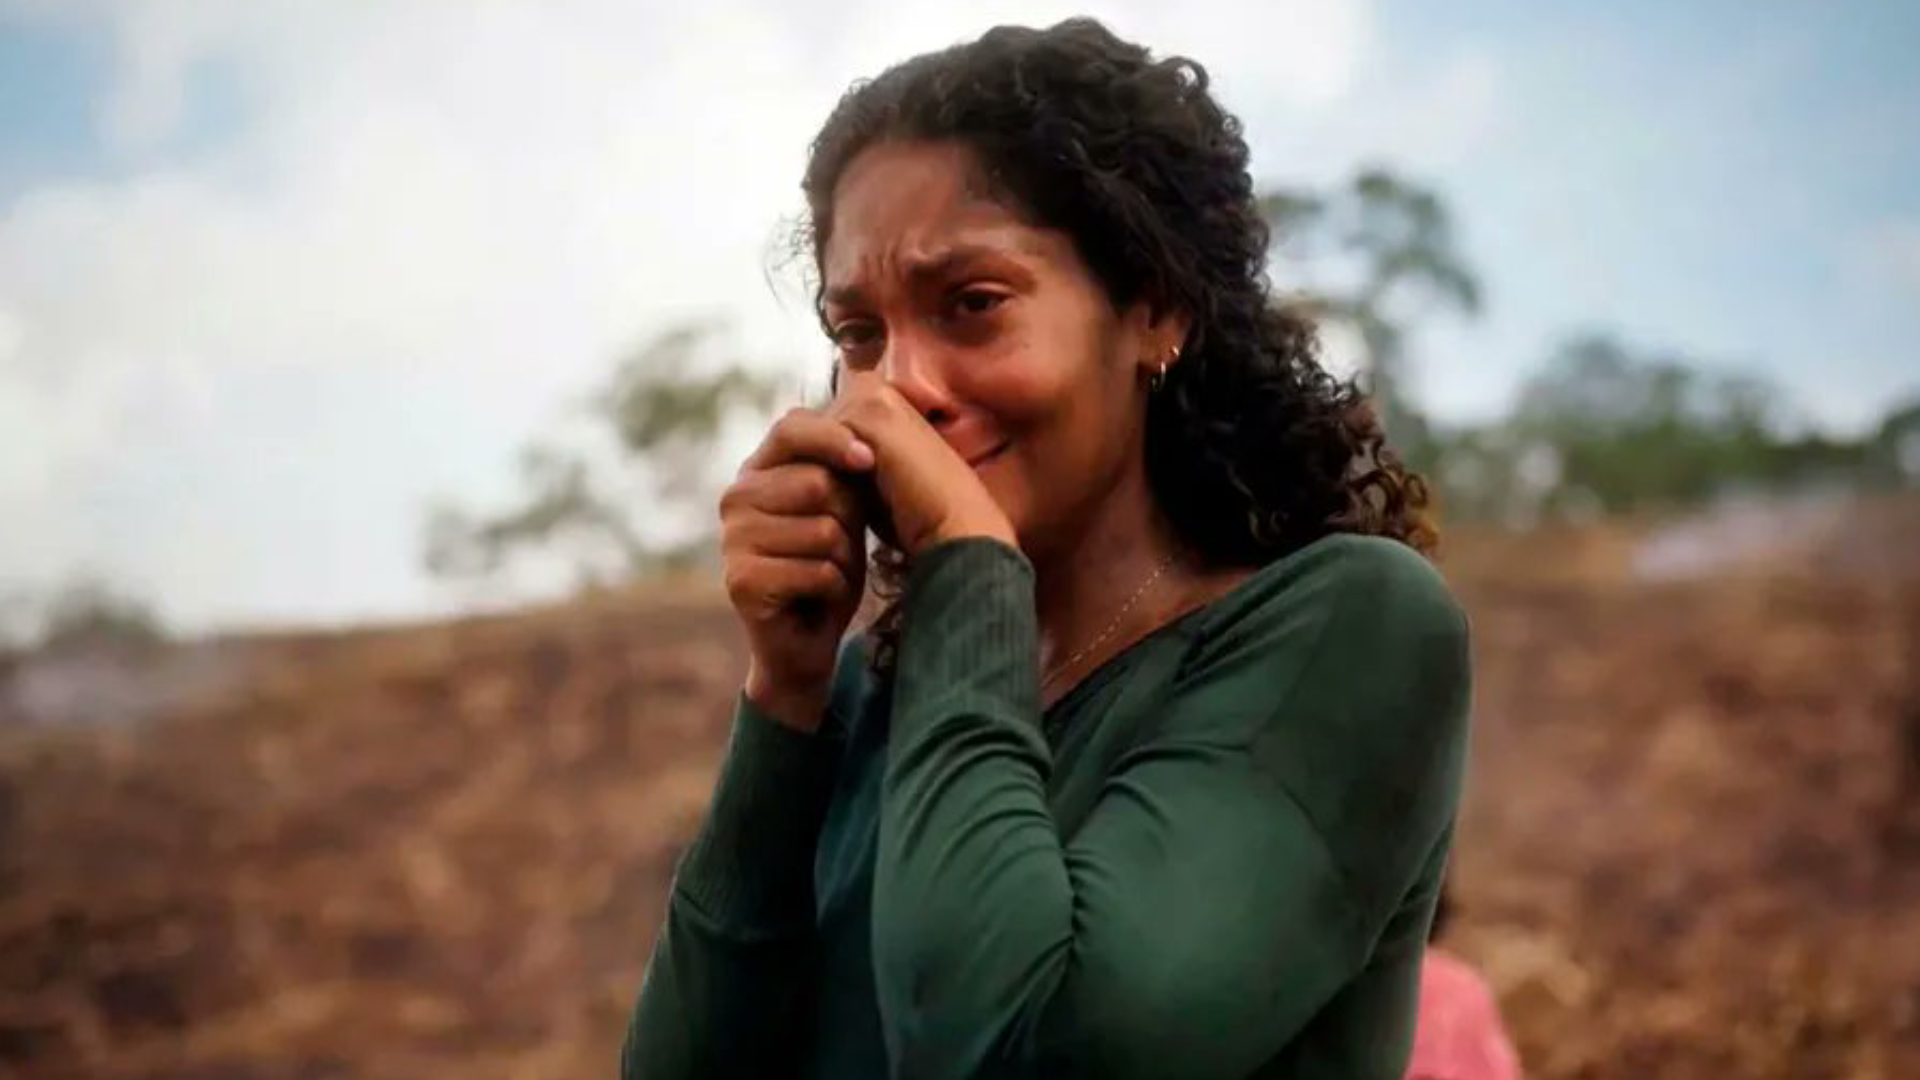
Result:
[
  {"x": 810, "y": 435},
  {"x": 865, "y": 407},
  {"x": 884, "y": 419},
  {"x": 801, "y": 488},
  {"x": 768, "y": 583},
  {"x": 858, "y": 384},
  {"x": 813, "y": 536}
]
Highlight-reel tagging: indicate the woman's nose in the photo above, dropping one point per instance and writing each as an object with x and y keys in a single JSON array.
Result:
[{"x": 916, "y": 370}]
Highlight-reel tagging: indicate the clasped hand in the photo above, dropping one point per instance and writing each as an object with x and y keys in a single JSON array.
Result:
[{"x": 794, "y": 521}]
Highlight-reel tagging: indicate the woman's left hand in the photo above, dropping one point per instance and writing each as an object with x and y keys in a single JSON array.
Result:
[{"x": 931, "y": 493}]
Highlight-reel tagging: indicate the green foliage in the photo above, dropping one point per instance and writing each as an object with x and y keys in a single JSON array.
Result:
[
  {"x": 1637, "y": 432},
  {"x": 1378, "y": 255},
  {"x": 1601, "y": 428},
  {"x": 91, "y": 614},
  {"x": 610, "y": 515},
  {"x": 1604, "y": 428},
  {"x": 561, "y": 502},
  {"x": 1893, "y": 453},
  {"x": 656, "y": 400}
]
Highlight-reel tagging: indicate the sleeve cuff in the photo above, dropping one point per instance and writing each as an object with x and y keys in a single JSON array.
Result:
[
  {"x": 969, "y": 638},
  {"x": 750, "y": 868}
]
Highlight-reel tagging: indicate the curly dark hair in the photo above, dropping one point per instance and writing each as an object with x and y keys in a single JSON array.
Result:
[{"x": 1252, "y": 449}]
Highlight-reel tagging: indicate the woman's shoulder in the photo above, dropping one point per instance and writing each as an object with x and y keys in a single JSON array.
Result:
[
  {"x": 1367, "y": 587},
  {"x": 1343, "y": 670},
  {"x": 1351, "y": 647}
]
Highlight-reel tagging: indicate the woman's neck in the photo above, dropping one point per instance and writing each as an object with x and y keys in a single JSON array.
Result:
[{"x": 1084, "y": 584}]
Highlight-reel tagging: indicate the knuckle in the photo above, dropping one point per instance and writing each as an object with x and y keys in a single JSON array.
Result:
[
  {"x": 780, "y": 437},
  {"x": 826, "y": 532},
  {"x": 826, "y": 575},
  {"x": 815, "y": 485}
]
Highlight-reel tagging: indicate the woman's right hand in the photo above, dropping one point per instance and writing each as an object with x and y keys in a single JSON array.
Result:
[{"x": 793, "y": 538}]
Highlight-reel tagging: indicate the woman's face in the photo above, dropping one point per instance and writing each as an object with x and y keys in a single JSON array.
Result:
[{"x": 993, "y": 328}]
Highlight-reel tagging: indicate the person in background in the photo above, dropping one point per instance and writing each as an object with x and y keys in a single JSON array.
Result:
[
  {"x": 1459, "y": 1035},
  {"x": 1150, "y": 766}
]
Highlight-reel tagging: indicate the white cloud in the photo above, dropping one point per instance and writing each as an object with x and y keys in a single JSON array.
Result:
[
  {"x": 1429, "y": 116},
  {"x": 436, "y": 222},
  {"x": 1306, "y": 52},
  {"x": 1887, "y": 258}
]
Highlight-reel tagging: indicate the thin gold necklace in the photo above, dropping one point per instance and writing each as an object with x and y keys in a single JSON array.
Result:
[{"x": 1047, "y": 679}]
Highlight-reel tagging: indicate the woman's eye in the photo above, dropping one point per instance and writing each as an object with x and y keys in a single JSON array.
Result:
[
  {"x": 854, "y": 335},
  {"x": 977, "y": 301}
]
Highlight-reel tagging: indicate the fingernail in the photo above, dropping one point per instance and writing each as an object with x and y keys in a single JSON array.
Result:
[{"x": 860, "y": 455}]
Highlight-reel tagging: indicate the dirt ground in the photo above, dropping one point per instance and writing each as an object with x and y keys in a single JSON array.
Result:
[{"x": 1691, "y": 846}]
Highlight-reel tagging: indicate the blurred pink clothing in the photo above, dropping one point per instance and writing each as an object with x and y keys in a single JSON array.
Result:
[{"x": 1459, "y": 1035}]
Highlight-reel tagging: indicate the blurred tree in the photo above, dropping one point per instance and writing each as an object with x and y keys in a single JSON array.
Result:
[
  {"x": 92, "y": 614},
  {"x": 562, "y": 506},
  {"x": 1635, "y": 430},
  {"x": 16, "y": 621},
  {"x": 1491, "y": 472},
  {"x": 1377, "y": 255},
  {"x": 613, "y": 516},
  {"x": 1895, "y": 446}
]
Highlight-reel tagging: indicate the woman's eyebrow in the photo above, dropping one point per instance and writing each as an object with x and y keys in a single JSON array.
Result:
[
  {"x": 843, "y": 296},
  {"x": 946, "y": 263},
  {"x": 932, "y": 269}
]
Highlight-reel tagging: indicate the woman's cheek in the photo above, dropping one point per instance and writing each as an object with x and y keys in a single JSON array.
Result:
[{"x": 1019, "y": 385}]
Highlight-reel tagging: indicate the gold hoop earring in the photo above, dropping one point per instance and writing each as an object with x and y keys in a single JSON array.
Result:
[{"x": 1159, "y": 377}]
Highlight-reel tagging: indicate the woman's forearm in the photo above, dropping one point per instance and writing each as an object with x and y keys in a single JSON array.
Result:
[{"x": 728, "y": 987}]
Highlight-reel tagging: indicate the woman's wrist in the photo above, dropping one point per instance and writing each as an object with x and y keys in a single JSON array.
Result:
[
  {"x": 995, "y": 527},
  {"x": 797, "y": 706}
]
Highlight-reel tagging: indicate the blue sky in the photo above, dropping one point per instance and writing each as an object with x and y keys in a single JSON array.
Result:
[
  {"x": 54, "y": 80},
  {"x": 273, "y": 277},
  {"x": 1736, "y": 181},
  {"x": 47, "y": 83}
]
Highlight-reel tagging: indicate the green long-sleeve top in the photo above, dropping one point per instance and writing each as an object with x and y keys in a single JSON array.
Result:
[{"x": 1216, "y": 857}]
